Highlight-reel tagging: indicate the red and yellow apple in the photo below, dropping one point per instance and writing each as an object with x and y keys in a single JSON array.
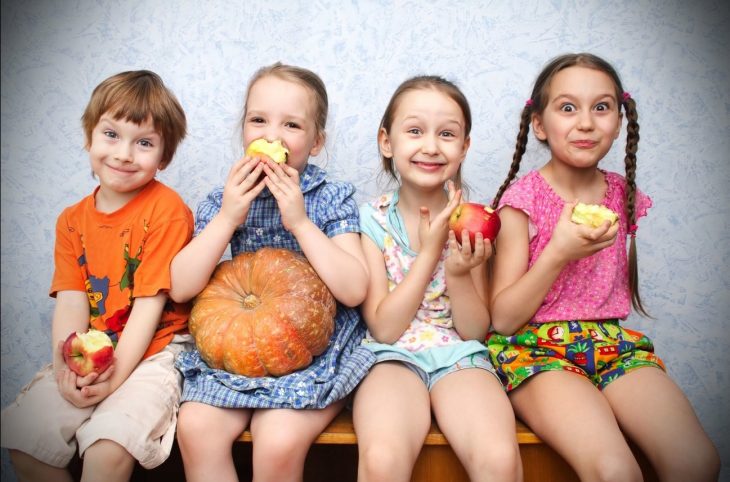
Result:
[
  {"x": 592, "y": 215},
  {"x": 88, "y": 352},
  {"x": 273, "y": 150},
  {"x": 475, "y": 218}
]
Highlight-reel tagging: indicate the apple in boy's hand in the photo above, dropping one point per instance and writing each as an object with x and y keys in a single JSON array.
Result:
[
  {"x": 273, "y": 150},
  {"x": 592, "y": 215},
  {"x": 475, "y": 218},
  {"x": 88, "y": 352}
]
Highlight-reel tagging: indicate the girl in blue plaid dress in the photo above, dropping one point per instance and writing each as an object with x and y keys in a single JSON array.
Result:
[{"x": 293, "y": 206}]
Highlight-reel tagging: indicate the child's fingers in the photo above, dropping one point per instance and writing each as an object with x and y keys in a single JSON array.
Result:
[
  {"x": 241, "y": 170},
  {"x": 567, "y": 211},
  {"x": 465, "y": 242},
  {"x": 479, "y": 246},
  {"x": 86, "y": 380},
  {"x": 453, "y": 244},
  {"x": 106, "y": 374}
]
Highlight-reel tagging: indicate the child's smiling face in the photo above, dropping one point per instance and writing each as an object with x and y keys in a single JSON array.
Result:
[
  {"x": 426, "y": 139},
  {"x": 124, "y": 156}
]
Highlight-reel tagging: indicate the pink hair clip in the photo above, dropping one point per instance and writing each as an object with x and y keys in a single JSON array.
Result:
[
  {"x": 632, "y": 230},
  {"x": 626, "y": 96},
  {"x": 529, "y": 103}
]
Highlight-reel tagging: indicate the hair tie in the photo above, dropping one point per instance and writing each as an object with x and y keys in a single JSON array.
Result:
[
  {"x": 529, "y": 103},
  {"x": 626, "y": 96},
  {"x": 632, "y": 230}
]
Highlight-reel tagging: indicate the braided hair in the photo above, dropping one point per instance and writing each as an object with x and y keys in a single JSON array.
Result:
[{"x": 536, "y": 105}]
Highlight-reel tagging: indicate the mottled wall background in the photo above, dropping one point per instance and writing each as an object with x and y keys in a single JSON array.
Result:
[{"x": 672, "y": 55}]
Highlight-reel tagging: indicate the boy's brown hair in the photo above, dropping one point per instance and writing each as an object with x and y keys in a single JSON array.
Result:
[{"x": 135, "y": 96}]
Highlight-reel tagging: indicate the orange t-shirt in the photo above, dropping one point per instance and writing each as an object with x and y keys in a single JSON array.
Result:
[{"x": 119, "y": 256}]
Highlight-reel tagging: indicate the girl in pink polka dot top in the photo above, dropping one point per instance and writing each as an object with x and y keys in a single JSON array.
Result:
[{"x": 560, "y": 289}]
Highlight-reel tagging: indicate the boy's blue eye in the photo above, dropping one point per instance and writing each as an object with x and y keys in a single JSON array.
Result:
[
  {"x": 145, "y": 143},
  {"x": 111, "y": 134}
]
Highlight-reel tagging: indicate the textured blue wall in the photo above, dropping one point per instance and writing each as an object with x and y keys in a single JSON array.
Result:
[{"x": 672, "y": 56}]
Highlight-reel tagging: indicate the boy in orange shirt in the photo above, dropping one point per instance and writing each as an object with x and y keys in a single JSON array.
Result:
[{"x": 112, "y": 273}]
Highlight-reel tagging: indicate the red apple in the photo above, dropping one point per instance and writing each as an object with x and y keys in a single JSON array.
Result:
[
  {"x": 88, "y": 352},
  {"x": 475, "y": 218}
]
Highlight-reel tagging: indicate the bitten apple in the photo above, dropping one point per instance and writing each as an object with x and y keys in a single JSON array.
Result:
[
  {"x": 88, "y": 352},
  {"x": 592, "y": 214},
  {"x": 273, "y": 150},
  {"x": 475, "y": 218}
]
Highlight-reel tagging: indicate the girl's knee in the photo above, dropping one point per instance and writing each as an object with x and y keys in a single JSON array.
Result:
[
  {"x": 381, "y": 461},
  {"x": 501, "y": 461},
  {"x": 614, "y": 468},
  {"x": 282, "y": 447}
]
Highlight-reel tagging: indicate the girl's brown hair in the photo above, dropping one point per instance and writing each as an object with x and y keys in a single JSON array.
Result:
[
  {"x": 136, "y": 96},
  {"x": 536, "y": 105},
  {"x": 417, "y": 83},
  {"x": 301, "y": 76}
]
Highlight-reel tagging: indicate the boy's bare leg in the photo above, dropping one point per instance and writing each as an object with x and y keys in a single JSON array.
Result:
[{"x": 30, "y": 469}]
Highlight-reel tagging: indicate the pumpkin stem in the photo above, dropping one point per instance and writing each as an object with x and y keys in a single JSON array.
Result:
[{"x": 251, "y": 301}]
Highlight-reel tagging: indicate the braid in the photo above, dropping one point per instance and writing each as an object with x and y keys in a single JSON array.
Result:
[
  {"x": 520, "y": 147},
  {"x": 632, "y": 145}
]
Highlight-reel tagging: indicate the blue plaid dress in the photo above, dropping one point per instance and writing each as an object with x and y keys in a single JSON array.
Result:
[{"x": 331, "y": 375}]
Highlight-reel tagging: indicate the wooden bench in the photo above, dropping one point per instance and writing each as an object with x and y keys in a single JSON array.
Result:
[{"x": 333, "y": 457}]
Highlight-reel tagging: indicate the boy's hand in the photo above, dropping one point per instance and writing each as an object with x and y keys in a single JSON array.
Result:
[
  {"x": 86, "y": 396},
  {"x": 241, "y": 188},
  {"x": 462, "y": 260},
  {"x": 81, "y": 391},
  {"x": 283, "y": 182},
  {"x": 573, "y": 241}
]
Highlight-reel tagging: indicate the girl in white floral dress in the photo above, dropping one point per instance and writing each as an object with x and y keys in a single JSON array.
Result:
[{"x": 426, "y": 307}]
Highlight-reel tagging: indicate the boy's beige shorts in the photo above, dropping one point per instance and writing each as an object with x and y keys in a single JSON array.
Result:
[{"x": 141, "y": 415}]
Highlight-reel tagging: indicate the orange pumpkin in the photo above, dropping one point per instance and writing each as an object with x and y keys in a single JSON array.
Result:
[{"x": 263, "y": 313}]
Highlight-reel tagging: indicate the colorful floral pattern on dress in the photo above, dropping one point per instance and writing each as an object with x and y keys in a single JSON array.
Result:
[{"x": 433, "y": 325}]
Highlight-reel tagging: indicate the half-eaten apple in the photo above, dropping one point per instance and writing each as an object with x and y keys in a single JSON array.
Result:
[
  {"x": 88, "y": 352},
  {"x": 475, "y": 218},
  {"x": 592, "y": 215},
  {"x": 273, "y": 150}
]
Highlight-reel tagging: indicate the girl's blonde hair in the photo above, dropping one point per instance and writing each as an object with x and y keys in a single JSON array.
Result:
[{"x": 536, "y": 106}]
